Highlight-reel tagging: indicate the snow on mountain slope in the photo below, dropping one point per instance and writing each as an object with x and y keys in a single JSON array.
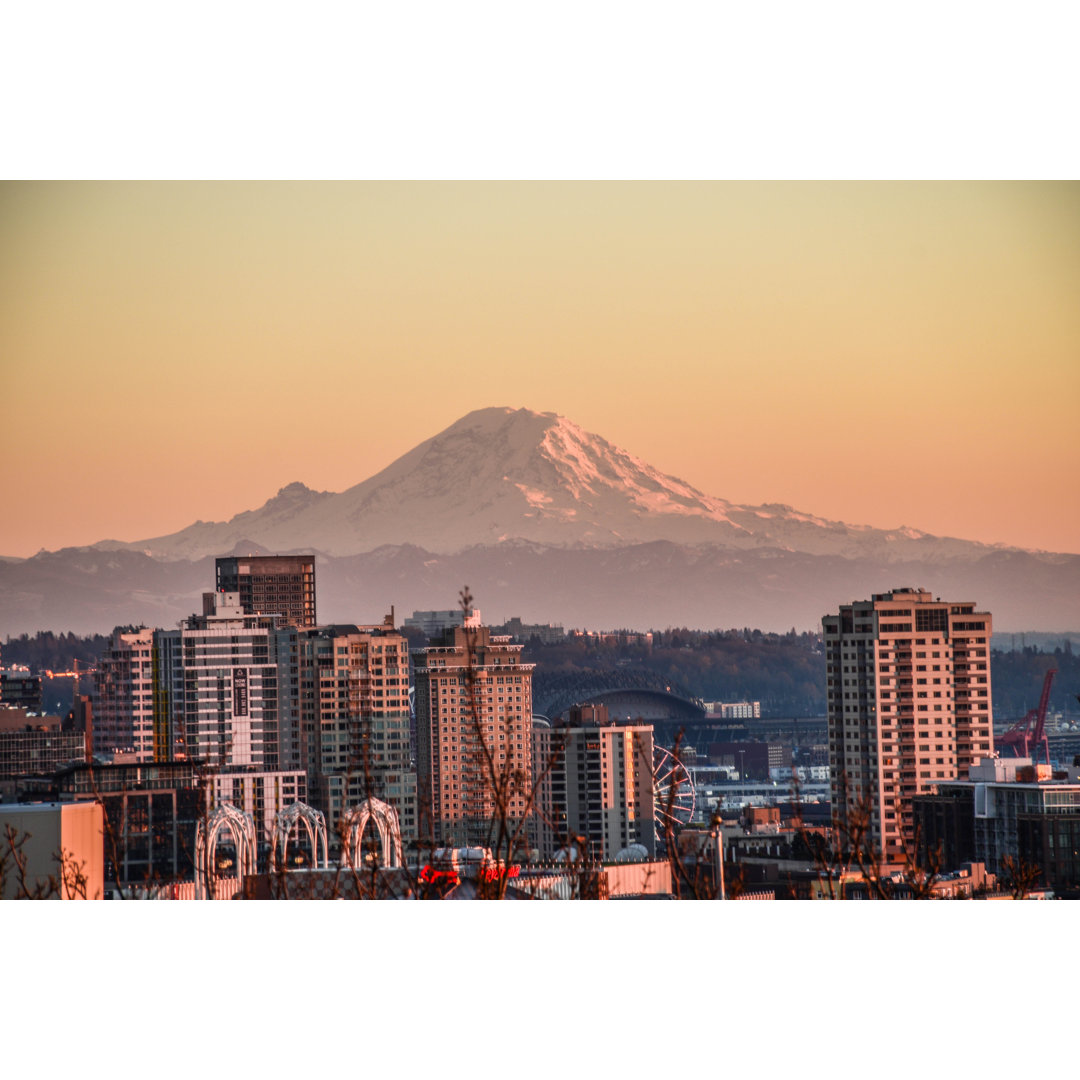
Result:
[{"x": 503, "y": 474}]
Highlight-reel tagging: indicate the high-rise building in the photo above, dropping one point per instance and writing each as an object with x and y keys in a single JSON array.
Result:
[
  {"x": 908, "y": 686},
  {"x": 279, "y": 585},
  {"x": 594, "y": 782},
  {"x": 226, "y": 689},
  {"x": 354, "y": 720},
  {"x": 124, "y": 695},
  {"x": 474, "y": 734}
]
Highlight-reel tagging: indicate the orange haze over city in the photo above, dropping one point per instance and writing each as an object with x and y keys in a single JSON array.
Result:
[{"x": 879, "y": 353}]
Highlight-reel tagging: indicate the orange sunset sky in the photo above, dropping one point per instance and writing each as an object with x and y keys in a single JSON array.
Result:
[{"x": 880, "y": 353}]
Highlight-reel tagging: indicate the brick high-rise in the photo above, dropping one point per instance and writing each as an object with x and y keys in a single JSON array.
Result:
[
  {"x": 354, "y": 720},
  {"x": 473, "y": 699},
  {"x": 908, "y": 685}
]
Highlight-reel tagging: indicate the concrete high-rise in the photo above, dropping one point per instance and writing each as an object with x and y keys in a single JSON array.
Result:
[
  {"x": 909, "y": 705},
  {"x": 279, "y": 585},
  {"x": 595, "y": 782},
  {"x": 226, "y": 689},
  {"x": 474, "y": 735}
]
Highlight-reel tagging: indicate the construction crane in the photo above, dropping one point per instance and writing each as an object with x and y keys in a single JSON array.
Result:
[{"x": 1025, "y": 737}]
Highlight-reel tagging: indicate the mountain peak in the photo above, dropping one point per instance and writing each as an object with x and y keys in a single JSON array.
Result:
[
  {"x": 502, "y": 474},
  {"x": 295, "y": 490}
]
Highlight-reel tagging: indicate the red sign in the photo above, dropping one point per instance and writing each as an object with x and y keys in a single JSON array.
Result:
[
  {"x": 487, "y": 873},
  {"x": 491, "y": 873},
  {"x": 430, "y": 876}
]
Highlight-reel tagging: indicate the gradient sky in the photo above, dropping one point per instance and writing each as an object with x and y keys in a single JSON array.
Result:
[{"x": 879, "y": 353}]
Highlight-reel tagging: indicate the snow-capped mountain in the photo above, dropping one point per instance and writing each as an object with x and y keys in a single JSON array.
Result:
[
  {"x": 545, "y": 521},
  {"x": 500, "y": 475}
]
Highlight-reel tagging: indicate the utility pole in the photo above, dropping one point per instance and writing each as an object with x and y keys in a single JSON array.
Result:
[{"x": 718, "y": 842}]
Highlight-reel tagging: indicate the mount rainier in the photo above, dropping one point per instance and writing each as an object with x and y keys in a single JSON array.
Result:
[{"x": 545, "y": 521}]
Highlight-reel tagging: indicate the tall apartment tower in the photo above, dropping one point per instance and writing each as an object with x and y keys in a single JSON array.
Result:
[
  {"x": 280, "y": 585},
  {"x": 473, "y": 704},
  {"x": 124, "y": 695},
  {"x": 908, "y": 684},
  {"x": 226, "y": 689},
  {"x": 596, "y": 782},
  {"x": 354, "y": 720}
]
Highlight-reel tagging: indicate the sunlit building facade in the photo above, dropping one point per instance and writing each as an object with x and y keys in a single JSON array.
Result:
[
  {"x": 474, "y": 733},
  {"x": 226, "y": 691},
  {"x": 909, "y": 705},
  {"x": 354, "y": 717}
]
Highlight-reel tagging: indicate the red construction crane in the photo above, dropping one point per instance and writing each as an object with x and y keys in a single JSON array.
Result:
[{"x": 1025, "y": 737}]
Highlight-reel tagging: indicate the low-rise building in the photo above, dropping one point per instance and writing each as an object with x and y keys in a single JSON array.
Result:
[
  {"x": 20, "y": 690},
  {"x": 435, "y": 623},
  {"x": 33, "y": 745},
  {"x": 733, "y": 710},
  {"x": 1003, "y": 815},
  {"x": 60, "y": 848}
]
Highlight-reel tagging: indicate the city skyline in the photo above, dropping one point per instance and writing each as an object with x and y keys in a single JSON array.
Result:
[{"x": 730, "y": 333}]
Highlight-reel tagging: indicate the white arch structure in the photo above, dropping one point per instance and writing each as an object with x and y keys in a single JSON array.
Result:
[
  {"x": 207, "y": 833},
  {"x": 385, "y": 819},
  {"x": 287, "y": 821}
]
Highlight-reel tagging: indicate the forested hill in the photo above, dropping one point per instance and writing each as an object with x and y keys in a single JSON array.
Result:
[
  {"x": 1017, "y": 680},
  {"x": 785, "y": 672},
  {"x": 46, "y": 651}
]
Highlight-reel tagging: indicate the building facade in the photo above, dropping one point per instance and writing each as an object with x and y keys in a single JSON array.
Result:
[
  {"x": 474, "y": 735},
  {"x": 354, "y": 719},
  {"x": 226, "y": 689},
  {"x": 150, "y": 811},
  {"x": 595, "y": 785},
  {"x": 263, "y": 795},
  {"x": 124, "y": 695},
  {"x": 1001, "y": 815},
  {"x": 278, "y": 585},
  {"x": 434, "y": 624},
  {"x": 20, "y": 690},
  {"x": 734, "y": 710},
  {"x": 45, "y": 830},
  {"x": 33, "y": 745},
  {"x": 909, "y": 705}
]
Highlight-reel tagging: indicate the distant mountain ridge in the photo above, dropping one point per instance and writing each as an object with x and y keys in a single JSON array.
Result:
[
  {"x": 545, "y": 521},
  {"x": 503, "y": 474}
]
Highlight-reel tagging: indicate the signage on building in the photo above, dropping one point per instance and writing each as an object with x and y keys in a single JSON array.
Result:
[
  {"x": 486, "y": 873},
  {"x": 491, "y": 873},
  {"x": 240, "y": 691},
  {"x": 430, "y": 875}
]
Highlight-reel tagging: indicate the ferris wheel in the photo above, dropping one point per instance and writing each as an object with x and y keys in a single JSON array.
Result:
[{"x": 673, "y": 792}]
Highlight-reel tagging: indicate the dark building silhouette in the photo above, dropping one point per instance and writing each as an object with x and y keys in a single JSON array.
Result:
[
  {"x": 20, "y": 690},
  {"x": 281, "y": 585}
]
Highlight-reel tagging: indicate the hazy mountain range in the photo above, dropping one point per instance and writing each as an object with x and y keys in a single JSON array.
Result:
[{"x": 545, "y": 521}]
